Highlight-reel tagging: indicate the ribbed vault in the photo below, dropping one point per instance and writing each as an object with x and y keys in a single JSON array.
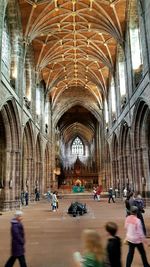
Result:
[{"x": 74, "y": 42}]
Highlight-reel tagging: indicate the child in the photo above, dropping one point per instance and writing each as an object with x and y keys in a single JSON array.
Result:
[
  {"x": 93, "y": 251},
  {"x": 113, "y": 248},
  {"x": 135, "y": 237}
]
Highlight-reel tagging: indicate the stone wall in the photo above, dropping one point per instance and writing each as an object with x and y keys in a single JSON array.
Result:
[{"x": 128, "y": 137}]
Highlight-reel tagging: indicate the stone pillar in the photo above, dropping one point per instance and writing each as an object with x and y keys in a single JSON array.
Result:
[
  {"x": 6, "y": 203},
  {"x": 18, "y": 181},
  {"x": 121, "y": 171},
  {"x": 113, "y": 172},
  {"x": 139, "y": 165},
  {"x": 129, "y": 171}
]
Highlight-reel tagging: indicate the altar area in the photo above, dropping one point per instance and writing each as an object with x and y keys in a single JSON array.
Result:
[{"x": 79, "y": 178}]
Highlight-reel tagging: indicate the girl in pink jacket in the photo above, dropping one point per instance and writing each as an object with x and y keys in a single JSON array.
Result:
[{"x": 135, "y": 237}]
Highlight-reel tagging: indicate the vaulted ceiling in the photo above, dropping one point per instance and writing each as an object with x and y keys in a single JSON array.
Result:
[
  {"x": 75, "y": 45},
  {"x": 77, "y": 121},
  {"x": 74, "y": 41}
]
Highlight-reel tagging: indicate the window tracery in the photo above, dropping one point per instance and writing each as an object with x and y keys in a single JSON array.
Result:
[{"x": 77, "y": 147}]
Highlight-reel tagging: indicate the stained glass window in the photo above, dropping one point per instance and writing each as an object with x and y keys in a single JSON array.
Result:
[{"x": 77, "y": 147}]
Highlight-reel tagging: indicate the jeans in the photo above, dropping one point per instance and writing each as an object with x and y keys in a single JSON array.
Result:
[{"x": 130, "y": 255}]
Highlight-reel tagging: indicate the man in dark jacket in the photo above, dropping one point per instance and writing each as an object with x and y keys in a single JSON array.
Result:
[
  {"x": 113, "y": 248},
  {"x": 110, "y": 195},
  {"x": 18, "y": 241}
]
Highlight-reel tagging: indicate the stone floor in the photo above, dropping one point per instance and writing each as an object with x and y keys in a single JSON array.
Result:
[{"x": 52, "y": 237}]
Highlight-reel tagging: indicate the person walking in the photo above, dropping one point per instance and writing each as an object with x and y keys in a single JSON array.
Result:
[
  {"x": 135, "y": 237},
  {"x": 94, "y": 193},
  {"x": 125, "y": 192},
  {"x": 136, "y": 200},
  {"x": 110, "y": 195},
  {"x": 26, "y": 196},
  {"x": 22, "y": 198},
  {"x": 54, "y": 201},
  {"x": 93, "y": 254},
  {"x": 113, "y": 248},
  {"x": 98, "y": 192},
  {"x": 18, "y": 241},
  {"x": 132, "y": 199},
  {"x": 37, "y": 194},
  {"x": 140, "y": 204}
]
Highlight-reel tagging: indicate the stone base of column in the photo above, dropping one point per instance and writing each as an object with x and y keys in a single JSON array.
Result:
[{"x": 11, "y": 205}]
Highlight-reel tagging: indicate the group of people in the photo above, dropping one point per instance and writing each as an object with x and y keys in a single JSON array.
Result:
[
  {"x": 25, "y": 196},
  {"x": 97, "y": 193},
  {"x": 136, "y": 230},
  {"x": 52, "y": 197},
  {"x": 94, "y": 254}
]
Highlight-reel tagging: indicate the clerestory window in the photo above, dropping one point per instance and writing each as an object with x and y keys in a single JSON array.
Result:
[{"x": 135, "y": 42}]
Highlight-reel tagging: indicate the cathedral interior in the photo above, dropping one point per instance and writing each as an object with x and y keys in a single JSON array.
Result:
[{"x": 75, "y": 96}]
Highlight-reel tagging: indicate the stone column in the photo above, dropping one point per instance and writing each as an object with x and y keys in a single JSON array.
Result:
[
  {"x": 18, "y": 181},
  {"x": 121, "y": 171},
  {"x": 113, "y": 172},
  {"x": 6, "y": 204},
  {"x": 129, "y": 170},
  {"x": 135, "y": 168}
]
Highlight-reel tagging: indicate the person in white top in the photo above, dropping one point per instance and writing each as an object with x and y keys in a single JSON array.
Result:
[
  {"x": 125, "y": 192},
  {"x": 54, "y": 201},
  {"x": 135, "y": 237}
]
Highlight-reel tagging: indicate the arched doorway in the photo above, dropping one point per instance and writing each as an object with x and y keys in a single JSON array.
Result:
[{"x": 10, "y": 151}]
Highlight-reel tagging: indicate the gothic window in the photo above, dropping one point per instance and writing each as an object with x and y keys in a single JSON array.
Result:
[
  {"x": 113, "y": 96},
  {"x": 38, "y": 101},
  {"x": 28, "y": 79},
  {"x": 46, "y": 112},
  {"x": 6, "y": 48},
  {"x": 135, "y": 41},
  {"x": 121, "y": 68},
  {"x": 77, "y": 147}
]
